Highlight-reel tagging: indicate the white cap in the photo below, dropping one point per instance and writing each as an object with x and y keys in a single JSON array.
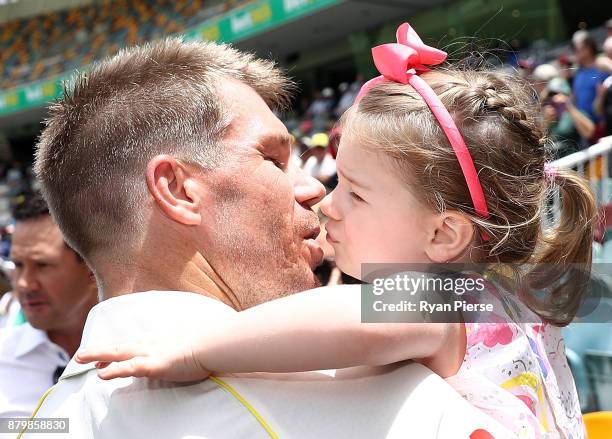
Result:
[
  {"x": 579, "y": 36},
  {"x": 545, "y": 72}
]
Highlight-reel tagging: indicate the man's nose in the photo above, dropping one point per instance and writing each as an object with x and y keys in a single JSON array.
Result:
[
  {"x": 26, "y": 280},
  {"x": 308, "y": 190}
]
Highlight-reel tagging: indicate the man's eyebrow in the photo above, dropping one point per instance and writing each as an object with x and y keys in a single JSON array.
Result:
[{"x": 352, "y": 180}]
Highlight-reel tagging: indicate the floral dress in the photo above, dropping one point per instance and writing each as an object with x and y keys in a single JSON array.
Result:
[{"x": 517, "y": 372}]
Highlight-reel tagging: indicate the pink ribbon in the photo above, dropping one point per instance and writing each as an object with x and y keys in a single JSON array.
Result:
[{"x": 402, "y": 62}]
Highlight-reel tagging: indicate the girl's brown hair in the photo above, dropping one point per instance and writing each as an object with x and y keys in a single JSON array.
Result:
[{"x": 498, "y": 116}]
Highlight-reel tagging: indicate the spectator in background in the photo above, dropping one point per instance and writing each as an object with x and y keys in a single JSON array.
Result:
[
  {"x": 321, "y": 105},
  {"x": 321, "y": 109},
  {"x": 565, "y": 123},
  {"x": 320, "y": 165},
  {"x": 587, "y": 79},
  {"x": 349, "y": 93},
  {"x": 604, "y": 61},
  {"x": 542, "y": 75},
  {"x": 565, "y": 68},
  {"x": 603, "y": 102},
  {"x": 299, "y": 147},
  {"x": 56, "y": 290}
]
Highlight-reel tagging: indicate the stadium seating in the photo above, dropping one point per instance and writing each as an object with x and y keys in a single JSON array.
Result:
[{"x": 46, "y": 45}]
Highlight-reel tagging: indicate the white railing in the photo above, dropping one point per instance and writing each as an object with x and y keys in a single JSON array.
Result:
[{"x": 597, "y": 158}]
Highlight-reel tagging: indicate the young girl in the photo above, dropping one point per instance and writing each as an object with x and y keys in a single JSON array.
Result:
[{"x": 411, "y": 192}]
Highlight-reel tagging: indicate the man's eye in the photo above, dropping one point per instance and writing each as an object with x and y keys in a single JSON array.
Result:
[
  {"x": 42, "y": 264},
  {"x": 18, "y": 265}
]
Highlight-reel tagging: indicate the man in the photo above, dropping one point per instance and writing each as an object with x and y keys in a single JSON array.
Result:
[
  {"x": 603, "y": 101},
  {"x": 587, "y": 79},
  {"x": 320, "y": 165},
  {"x": 167, "y": 170},
  {"x": 565, "y": 123},
  {"x": 56, "y": 290}
]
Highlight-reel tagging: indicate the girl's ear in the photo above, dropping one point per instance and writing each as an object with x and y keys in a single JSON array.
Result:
[{"x": 451, "y": 237}]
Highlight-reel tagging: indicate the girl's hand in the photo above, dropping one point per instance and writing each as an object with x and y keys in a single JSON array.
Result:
[{"x": 163, "y": 360}]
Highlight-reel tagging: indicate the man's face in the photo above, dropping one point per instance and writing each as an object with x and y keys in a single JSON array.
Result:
[
  {"x": 259, "y": 225},
  {"x": 53, "y": 287},
  {"x": 584, "y": 55},
  {"x": 319, "y": 152}
]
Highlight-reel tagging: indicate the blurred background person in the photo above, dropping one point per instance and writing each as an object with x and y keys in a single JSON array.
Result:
[
  {"x": 320, "y": 165},
  {"x": 603, "y": 102},
  {"x": 541, "y": 76},
  {"x": 604, "y": 61},
  {"x": 299, "y": 149},
  {"x": 55, "y": 290},
  {"x": 321, "y": 109},
  {"x": 587, "y": 79},
  {"x": 566, "y": 124},
  {"x": 348, "y": 95}
]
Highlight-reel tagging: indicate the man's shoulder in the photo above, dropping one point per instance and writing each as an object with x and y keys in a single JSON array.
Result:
[
  {"x": 152, "y": 408},
  {"x": 363, "y": 402}
]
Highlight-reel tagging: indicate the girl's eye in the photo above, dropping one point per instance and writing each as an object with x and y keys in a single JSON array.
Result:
[{"x": 356, "y": 197}]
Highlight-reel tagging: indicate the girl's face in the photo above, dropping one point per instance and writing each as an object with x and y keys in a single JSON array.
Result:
[{"x": 373, "y": 217}]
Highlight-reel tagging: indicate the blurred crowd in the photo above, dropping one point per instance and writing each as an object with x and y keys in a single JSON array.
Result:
[
  {"x": 575, "y": 92},
  {"x": 57, "y": 42}
]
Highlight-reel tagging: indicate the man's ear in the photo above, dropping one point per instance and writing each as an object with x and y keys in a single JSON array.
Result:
[
  {"x": 173, "y": 188},
  {"x": 452, "y": 235}
]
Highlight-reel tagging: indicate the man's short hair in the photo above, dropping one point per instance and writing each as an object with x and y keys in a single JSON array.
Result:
[
  {"x": 159, "y": 98},
  {"x": 33, "y": 206}
]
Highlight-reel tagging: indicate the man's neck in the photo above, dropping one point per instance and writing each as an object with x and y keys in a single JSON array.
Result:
[
  {"x": 196, "y": 276},
  {"x": 68, "y": 340},
  {"x": 588, "y": 64}
]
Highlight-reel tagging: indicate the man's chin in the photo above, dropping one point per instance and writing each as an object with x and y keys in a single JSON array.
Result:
[
  {"x": 316, "y": 282},
  {"x": 38, "y": 323},
  {"x": 307, "y": 281}
]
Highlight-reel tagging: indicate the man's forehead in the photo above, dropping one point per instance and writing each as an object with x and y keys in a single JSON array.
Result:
[
  {"x": 250, "y": 119},
  {"x": 37, "y": 230},
  {"x": 238, "y": 96}
]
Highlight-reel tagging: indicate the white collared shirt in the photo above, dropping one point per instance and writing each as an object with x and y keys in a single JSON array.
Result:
[
  {"x": 28, "y": 360},
  {"x": 9, "y": 310},
  {"x": 397, "y": 401}
]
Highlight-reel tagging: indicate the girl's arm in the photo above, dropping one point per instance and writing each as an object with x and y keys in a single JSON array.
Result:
[{"x": 316, "y": 329}]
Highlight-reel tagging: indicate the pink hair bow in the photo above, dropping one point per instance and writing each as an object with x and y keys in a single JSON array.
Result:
[
  {"x": 399, "y": 61},
  {"x": 402, "y": 62}
]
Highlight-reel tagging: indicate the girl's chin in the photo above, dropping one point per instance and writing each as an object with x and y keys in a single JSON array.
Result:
[{"x": 349, "y": 269}]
